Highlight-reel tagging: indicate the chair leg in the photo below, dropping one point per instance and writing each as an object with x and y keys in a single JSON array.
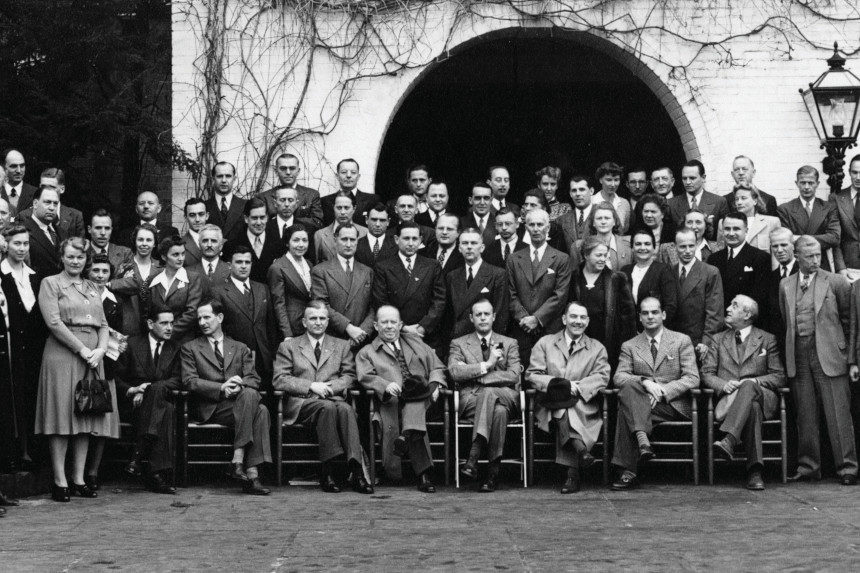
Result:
[
  {"x": 531, "y": 445},
  {"x": 696, "y": 445},
  {"x": 279, "y": 445},
  {"x": 184, "y": 429},
  {"x": 456, "y": 450},
  {"x": 783, "y": 429},
  {"x": 447, "y": 436},
  {"x": 524, "y": 465},
  {"x": 710, "y": 444}
]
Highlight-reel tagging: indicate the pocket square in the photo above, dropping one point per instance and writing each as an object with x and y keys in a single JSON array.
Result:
[
  {"x": 485, "y": 290},
  {"x": 550, "y": 272},
  {"x": 763, "y": 352},
  {"x": 748, "y": 269}
]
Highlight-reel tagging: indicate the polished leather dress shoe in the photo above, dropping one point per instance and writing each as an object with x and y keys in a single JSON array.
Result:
[
  {"x": 328, "y": 485},
  {"x": 360, "y": 485},
  {"x": 83, "y": 490},
  {"x": 645, "y": 453},
  {"x": 755, "y": 481},
  {"x": 625, "y": 482},
  {"x": 724, "y": 449},
  {"x": 157, "y": 484},
  {"x": 254, "y": 487},
  {"x": 237, "y": 472},
  {"x": 848, "y": 479},
  {"x": 60, "y": 494},
  {"x": 469, "y": 470},
  {"x": 571, "y": 485},
  {"x": 401, "y": 448},
  {"x": 797, "y": 477},
  {"x": 8, "y": 502},
  {"x": 488, "y": 486},
  {"x": 93, "y": 482},
  {"x": 425, "y": 485}
]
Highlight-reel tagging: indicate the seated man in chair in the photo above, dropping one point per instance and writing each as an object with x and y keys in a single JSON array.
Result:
[
  {"x": 218, "y": 373},
  {"x": 406, "y": 378},
  {"x": 486, "y": 366},
  {"x": 569, "y": 369},
  {"x": 316, "y": 371},
  {"x": 656, "y": 371},
  {"x": 744, "y": 369}
]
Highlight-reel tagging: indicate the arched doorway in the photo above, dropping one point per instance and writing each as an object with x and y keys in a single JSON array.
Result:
[{"x": 525, "y": 100}]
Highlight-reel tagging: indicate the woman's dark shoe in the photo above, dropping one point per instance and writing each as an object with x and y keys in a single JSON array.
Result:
[
  {"x": 59, "y": 493},
  {"x": 83, "y": 490},
  {"x": 93, "y": 482}
]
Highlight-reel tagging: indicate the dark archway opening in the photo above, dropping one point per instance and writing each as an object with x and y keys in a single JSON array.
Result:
[{"x": 525, "y": 102}]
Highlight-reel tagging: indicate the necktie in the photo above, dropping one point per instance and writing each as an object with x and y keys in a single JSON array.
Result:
[
  {"x": 409, "y": 265},
  {"x": 784, "y": 271},
  {"x": 401, "y": 361},
  {"x": 441, "y": 257},
  {"x": 693, "y": 204},
  {"x": 469, "y": 277},
  {"x": 654, "y": 350},
  {"x": 223, "y": 207},
  {"x": 157, "y": 353},
  {"x": 804, "y": 283},
  {"x": 535, "y": 260},
  {"x": 376, "y": 248},
  {"x": 211, "y": 268},
  {"x": 581, "y": 219},
  {"x": 857, "y": 208},
  {"x": 348, "y": 266},
  {"x": 13, "y": 192},
  {"x": 52, "y": 234},
  {"x": 258, "y": 246},
  {"x": 809, "y": 208},
  {"x": 506, "y": 252},
  {"x": 481, "y": 225},
  {"x": 570, "y": 349},
  {"x": 317, "y": 352},
  {"x": 501, "y": 204},
  {"x": 283, "y": 230},
  {"x": 485, "y": 349},
  {"x": 247, "y": 289},
  {"x": 683, "y": 273},
  {"x": 218, "y": 355},
  {"x": 738, "y": 339},
  {"x": 731, "y": 254}
]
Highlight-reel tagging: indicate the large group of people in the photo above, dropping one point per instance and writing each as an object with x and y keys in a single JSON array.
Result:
[{"x": 308, "y": 297}]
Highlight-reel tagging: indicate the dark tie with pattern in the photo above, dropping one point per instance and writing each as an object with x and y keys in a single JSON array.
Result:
[
  {"x": 409, "y": 266},
  {"x": 223, "y": 207},
  {"x": 570, "y": 349},
  {"x": 317, "y": 351},
  {"x": 211, "y": 268},
  {"x": 804, "y": 283},
  {"x": 485, "y": 349},
  {"x": 441, "y": 257},
  {"x": 401, "y": 361},
  {"x": 683, "y": 274},
  {"x": 469, "y": 277},
  {"x": 53, "y": 234},
  {"x": 784, "y": 271},
  {"x": 218, "y": 355},
  {"x": 580, "y": 221},
  {"x": 376, "y": 248},
  {"x": 157, "y": 353},
  {"x": 738, "y": 339},
  {"x": 654, "y": 350},
  {"x": 506, "y": 252}
]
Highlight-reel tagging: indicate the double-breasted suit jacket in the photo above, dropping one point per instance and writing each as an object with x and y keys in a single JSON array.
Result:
[
  {"x": 44, "y": 255},
  {"x": 490, "y": 283},
  {"x": 251, "y": 321},
  {"x": 420, "y": 298},
  {"x": 746, "y": 274},
  {"x": 674, "y": 368},
  {"x": 202, "y": 376},
  {"x": 296, "y": 368},
  {"x": 290, "y": 296},
  {"x": 587, "y": 366},
  {"x": 848, "y": 253},
  {"x": 541, "y": 293},
  {"x": 700, "y": 313},
  {"x": 348, "y": 297},
  {"x": 760, "y": 360},
  {"x": 234, "y": 222},
  {"x": 182, "y": 298},
  {"x": 823, "y": 224}
]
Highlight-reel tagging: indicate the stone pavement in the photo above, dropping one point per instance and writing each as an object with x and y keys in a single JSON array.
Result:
[{"x": 658, "y": 527}]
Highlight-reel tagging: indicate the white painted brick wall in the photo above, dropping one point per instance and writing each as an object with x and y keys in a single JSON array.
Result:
[{"x": 752, "y": 108}]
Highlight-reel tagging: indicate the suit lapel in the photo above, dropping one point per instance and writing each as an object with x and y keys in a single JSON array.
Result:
[
  {"x": 791, "y": 285},
  {"x": 326, "y": 352},
  {"x": 731, "y": 348},
  {"x": 751, "y": 346},
  {"x": 340, "y": 276},
  {"x": 692, "y": 280},
  {"x": 816, "y": 218},
  {"x": 820, "y": 291},
  {"x": 419, "y": 271},
  {"x": 293, "y": 275},
  {"x": 229, "y": 352},
  {"x": 844, "y": 203},
  {"x": 544, "y": 264},
  {"x": 238, "y": 299}
]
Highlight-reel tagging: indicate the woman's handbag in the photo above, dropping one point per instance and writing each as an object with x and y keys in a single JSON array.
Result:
[{"x": 92, "y": 395}]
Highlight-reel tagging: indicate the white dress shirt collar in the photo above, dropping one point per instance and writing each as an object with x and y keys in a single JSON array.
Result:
[
  {"x": 403, "y": 259},
  {"x": 219, "y": 198},
  {"x": 540, "y": 251},
  {"x": 745, "y": 332},
  {"x": 240, "y": 284},
  {"x": 656, "y": 337},
  {"x": 181, "y": 276},
  {"x": 475, "y": 267}
]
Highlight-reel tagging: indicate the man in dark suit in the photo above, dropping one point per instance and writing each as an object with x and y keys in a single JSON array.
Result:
[
  {"x": 248, "y": 315},
  {"x": 539, "y": 281},
  {"x": 347, "y": 177},
  {"x": 848, "y": 209},
  {"x": 316, "y": 372},
  {"x": 224, "y": 208},
  {"x": 695, "y": 197},
  {"x": 345, "y": 285},
  {"x": 745, "y": 370},
  {"x": 147, "y": 373},
  {"x": 196, "y": 217},
  {"x": 509, "y": 239},
  {"x": 69, "y": 219},
  {"x": 700, "y": 295},
  {"x": 261, "y": 238},
  {"x": 480, "y": 215},
  {"x": 378, "y": 244},
  {"x": 486, "y": 367},
  {"x": 499, "y": 181},
  {"x": 743, "y": 268},
  {"x": 472, "y": 282},
  {"x": 816, "y": 305},
  {"x": 147, "y": 208},
  {"x": 14, "y": 188},
  {"x": 405, "y": 209},
  {"x": 656, "y": 371},
  {"x": 574, "y": 223},
  {"x": 100, "y": 230},
  {"x": 308, "y": 209},
  {"x": 45, "y": 237},
  {"x": 443, "y": 247},
  {"x": 782, "y": 249},
  {"x": 211, "y": 267},
  {"x": 286, "y": 201},
  {"x": 809, "y": 215},
  {"x": 743, "y": 172},
  {"x": 437, "y": 203},
  {"x": 412, "y": 284},
  {"x": 218, "y": 372}
]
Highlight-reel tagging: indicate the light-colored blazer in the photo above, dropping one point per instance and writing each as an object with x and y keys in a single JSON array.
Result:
[
  {"x": 675, "y": 367},
  {"x": 349, "y": 299},
  {"x": 325, "y": 245},
  {"x": 465, "y": 357},
  {"x": 588, "y": 367},
  {"x": 296, "y": 368},
  {"x": 832, "y": 298},
  {"x": 202, "y": 377}
]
